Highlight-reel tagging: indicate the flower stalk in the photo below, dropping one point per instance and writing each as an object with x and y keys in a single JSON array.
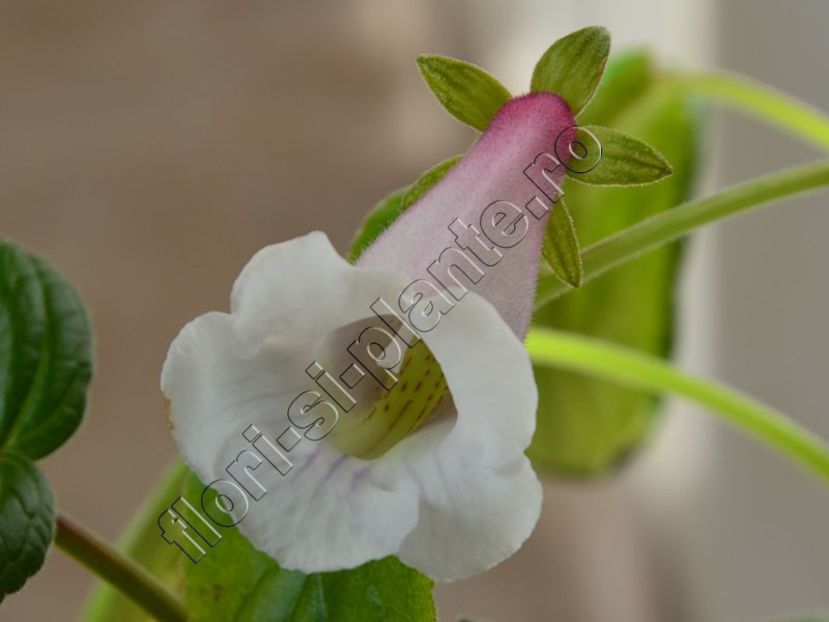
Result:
[
  {"x": 121, "y": 572},
  {"x": 640, "y": 370},
  {"x": 670, "y": 225}
]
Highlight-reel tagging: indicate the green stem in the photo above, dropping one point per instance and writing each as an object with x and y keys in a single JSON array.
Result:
[
  {"x": 667, "y": 226},
  {"x": 643, "y": 371},
  {"x": 759, "y": 100},
  {"x": 120, "y": 571}
]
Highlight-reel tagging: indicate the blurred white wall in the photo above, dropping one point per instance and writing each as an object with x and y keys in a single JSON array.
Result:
[
  {"x": 747, "y": 537},
  {"x": 707, "y": 526}
]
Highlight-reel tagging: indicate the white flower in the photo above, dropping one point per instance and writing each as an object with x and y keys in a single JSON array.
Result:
[{"x": 435, "y": 475}]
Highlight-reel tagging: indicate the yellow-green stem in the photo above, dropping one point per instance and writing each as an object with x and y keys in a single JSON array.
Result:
[
  {"x": 636, "y": 369},
  {"x": 667, "y": 226}
]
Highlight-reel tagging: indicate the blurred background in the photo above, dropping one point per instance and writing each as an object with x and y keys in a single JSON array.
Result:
[{"x": 149, "y": 149}]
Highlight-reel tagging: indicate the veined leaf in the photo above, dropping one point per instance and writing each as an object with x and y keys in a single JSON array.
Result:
[
  {"x": 27, "y": 519},
  {"x": 45, "y": 367},
  {"x": 468, "y": 92},
  {"x": 561, "y": 246},
  {"x": 236, "y": 583},
  {"x": 572, "y": 67},
  {"x": 45, "y": 355},
  {"x": 586, "y": 426}
]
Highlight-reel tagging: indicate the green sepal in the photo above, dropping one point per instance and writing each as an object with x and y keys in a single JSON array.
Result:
[
  {"x": 617, "y": 159},
  {"x": 572, "y": 66},
  {"x": 468, "y": 92},
  {"x": 561, "y": 246},
  {"x": 427, "y": 181},
  {"x": 387, "y": 210}
]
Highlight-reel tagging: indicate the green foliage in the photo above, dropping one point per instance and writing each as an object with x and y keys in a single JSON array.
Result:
[
  {"x": 27, "y": 517},
  {"x": 45, "y": 355},
  {"x": 625, "y": 160},
  {"x": 561, "y": 246},
  {"x": 468, "y": 92},
  {"x": 572, "y": 66},
  {"x": 235, "y": 582},
  {"x": 586, "y": 426},
  {"x": 45, "y": 367}
]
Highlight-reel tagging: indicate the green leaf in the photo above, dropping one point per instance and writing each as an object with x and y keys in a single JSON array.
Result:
[
  {"x": 235, "y": 582},
  {"x": 387, "y": 210},
  {"x": 811, "y": 617},
  {"x": 573, "y": 66},
  {"x": 142, "y": 543},
  {"x": 561, "y": 246},
  {"x": 586, "y": 426},
  {"x": 45, "y": 355},
  {"x": 27, "y": 521},
  {"x": 468, "y": 92}
]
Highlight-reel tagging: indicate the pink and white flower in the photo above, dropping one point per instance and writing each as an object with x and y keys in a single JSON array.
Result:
[{"x": 430, "y": 467}]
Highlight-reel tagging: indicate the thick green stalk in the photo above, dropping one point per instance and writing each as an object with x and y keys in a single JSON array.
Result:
[
  {"x": 667, "y": 226},
  {"x": 631, "y": 367},
  {"x": 124, "y": 574},
  {"x": 759, "y": 100}
]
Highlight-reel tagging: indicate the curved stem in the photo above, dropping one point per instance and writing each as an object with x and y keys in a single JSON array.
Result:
[
  {"x": 124, "y": 574},
  {"x": 759, "y": 100},
  {"x": 674, "y": 223},
  {"x": 639, "y": 370}
]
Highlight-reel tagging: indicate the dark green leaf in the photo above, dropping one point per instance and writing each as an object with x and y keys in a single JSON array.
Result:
[
  {"x": 573, "y": 66},
  {"x": 45, "y": 355},
  {"x": 561, "y": 246},
  {"x": 27, "y": 521},
  {"x": 387, "y": 210},
  {"x": 624, "y": 160},
  {"x": 587, "y": 426},
  {"x": 234, "y": 582},
  {"x": 468, "y": 92},
  {"x": 142, "y": 543}
]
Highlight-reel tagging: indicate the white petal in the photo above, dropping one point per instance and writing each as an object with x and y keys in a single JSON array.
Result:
[
  {"x": 479, "y": 497},
  {"x": 438, "y": 498}
]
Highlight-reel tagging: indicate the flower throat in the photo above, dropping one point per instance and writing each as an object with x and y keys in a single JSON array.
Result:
[{"x": 397, "y": 412}]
